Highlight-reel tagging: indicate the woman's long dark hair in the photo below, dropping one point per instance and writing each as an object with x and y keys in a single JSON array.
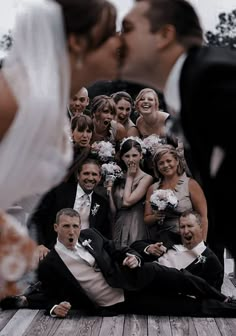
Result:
[{"x": 81, "y": 16}]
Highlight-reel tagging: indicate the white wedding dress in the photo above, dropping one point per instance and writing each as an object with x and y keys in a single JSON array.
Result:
[{"x": 35, "y": 151}]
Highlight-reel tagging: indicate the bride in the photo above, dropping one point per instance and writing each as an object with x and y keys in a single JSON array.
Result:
[{"x": 57, "y": 48}]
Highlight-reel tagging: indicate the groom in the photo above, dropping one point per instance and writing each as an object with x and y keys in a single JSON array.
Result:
[{"x": 163, "y": 48}]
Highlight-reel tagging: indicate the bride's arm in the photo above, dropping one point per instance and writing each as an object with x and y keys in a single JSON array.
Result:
[{"x": 8, "y": 106}]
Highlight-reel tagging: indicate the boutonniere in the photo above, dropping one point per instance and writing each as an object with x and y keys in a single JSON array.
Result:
[
  {"x": 87, "y": 242},
  {"x": 95, "y": 209},
  {"x": 201, "y": 259}
]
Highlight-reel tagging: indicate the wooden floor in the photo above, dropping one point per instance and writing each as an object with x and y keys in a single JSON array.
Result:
[{"x": 25, "y": 322}]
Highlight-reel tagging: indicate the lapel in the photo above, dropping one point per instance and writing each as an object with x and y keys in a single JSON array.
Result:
[
  {"x": 196, "y": 264},
  {"x": 97, "y": 250},
  {"x": 67, "y": 195}
]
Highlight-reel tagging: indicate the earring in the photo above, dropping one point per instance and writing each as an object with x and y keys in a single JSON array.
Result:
[{"x": 79, "y": 63}]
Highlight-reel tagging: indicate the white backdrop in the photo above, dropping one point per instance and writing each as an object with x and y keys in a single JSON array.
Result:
[{"x": 208, "y": 10}]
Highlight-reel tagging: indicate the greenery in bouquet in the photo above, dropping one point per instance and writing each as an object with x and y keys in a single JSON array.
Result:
[{"x": 103, "y": 150}]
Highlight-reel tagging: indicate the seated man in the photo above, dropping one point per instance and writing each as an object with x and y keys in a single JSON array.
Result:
[
  {"x": 193, "y": 255},
  {"x": 85, "y": 270},
  {"x": 93, "y": 208}
]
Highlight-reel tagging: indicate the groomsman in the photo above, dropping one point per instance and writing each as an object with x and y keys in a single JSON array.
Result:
[
  {"x": 193, "y": 255},
  {"x": 93, "y": 208}
]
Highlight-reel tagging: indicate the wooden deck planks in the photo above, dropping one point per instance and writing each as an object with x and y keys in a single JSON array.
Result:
[
  {"x": 135, "y": 325},
  {"x": 19, "y": 322},
  {"x": 227, "y": 326},
  {"x": 27, "y": 322},
  {"x": 182, "y": 326},
  {"x": 88, "y": 326},
  {"x": 159, "y": 326},
  {"x": 42, "y": 325},
  {"x": 206, "y": 327},
  {"x": 5, "y": 317},
  {"x": 112, "y": 326}
]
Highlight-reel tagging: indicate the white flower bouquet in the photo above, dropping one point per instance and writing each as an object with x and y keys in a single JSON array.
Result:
[
  {"x": 17, "y": 255},
  {"x": 111, "y": 171},
  {"x": 152, "y": 142},
  {"x": 163, "y": 199},
  {"x": 104, "y": 150}
]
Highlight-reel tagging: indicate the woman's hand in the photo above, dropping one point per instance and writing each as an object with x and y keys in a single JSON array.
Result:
[
  {"x": 132, "y": 169},
  {"x": 108, "y": 185},
  {"x": 159, "y": 215}
]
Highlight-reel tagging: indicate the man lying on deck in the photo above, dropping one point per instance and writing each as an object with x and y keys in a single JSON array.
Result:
[{"x": 193, "y": 255}]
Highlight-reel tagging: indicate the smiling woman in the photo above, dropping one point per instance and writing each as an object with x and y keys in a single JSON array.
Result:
[{"x": 169, "y": 170}]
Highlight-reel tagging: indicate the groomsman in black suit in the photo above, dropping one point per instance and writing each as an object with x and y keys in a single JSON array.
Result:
[
  {"x": 93, "y": 208},
  {"x": 193, "y": 255},
  {"x": 163, "y": 48}
]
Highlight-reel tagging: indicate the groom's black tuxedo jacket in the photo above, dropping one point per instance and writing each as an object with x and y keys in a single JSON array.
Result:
[
  {"x": 208, "y": 105},
  {"x": 63, "y": 196},
  {"x": 211, "y": 270}
]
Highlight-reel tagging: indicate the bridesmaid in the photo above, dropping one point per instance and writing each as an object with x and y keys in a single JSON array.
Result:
[
  {"x": 127, "y": 195},
  {"x": 170, "y": 172}
]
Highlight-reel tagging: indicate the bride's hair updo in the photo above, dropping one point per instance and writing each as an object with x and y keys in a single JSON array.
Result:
[{"x": 82, "y": 16}]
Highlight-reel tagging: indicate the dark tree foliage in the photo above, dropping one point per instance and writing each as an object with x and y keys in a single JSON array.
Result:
[
  {"x": 5, "y": 44},
  {"x": 225, "y": 32},
  {"x": 6, "y": 41}
]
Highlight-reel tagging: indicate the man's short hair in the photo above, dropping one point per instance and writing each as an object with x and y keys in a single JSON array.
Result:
[
  {"x": 66, "y": 212},
  {"x": 89, "y": 161},
  {"x": 179, "y": 13},
  {"x": 194, "y": 213}
]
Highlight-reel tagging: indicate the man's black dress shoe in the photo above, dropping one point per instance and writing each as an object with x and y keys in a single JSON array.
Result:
[{"x": 14, "y": 302}]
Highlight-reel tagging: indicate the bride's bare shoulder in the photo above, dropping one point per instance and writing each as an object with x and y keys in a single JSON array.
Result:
[{"x": 8, "y": 106}]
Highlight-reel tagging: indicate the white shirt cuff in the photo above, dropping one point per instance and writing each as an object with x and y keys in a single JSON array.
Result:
[
  {"x": 146, "y": 250},
  {"x": 51, "y": 311}
]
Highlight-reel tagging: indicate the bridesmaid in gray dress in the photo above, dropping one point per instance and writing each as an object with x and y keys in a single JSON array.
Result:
[
  {"x": 127, "y": 195},
  {"x": 169, "y": 170}
]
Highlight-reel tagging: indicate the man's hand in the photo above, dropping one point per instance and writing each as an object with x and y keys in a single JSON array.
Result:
[
  {"x": 62, "y": 309},
  {"x": 156, "y": 249},
  {"x": 131, "y": 261},
  {"x": 42, "y": 251}
]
